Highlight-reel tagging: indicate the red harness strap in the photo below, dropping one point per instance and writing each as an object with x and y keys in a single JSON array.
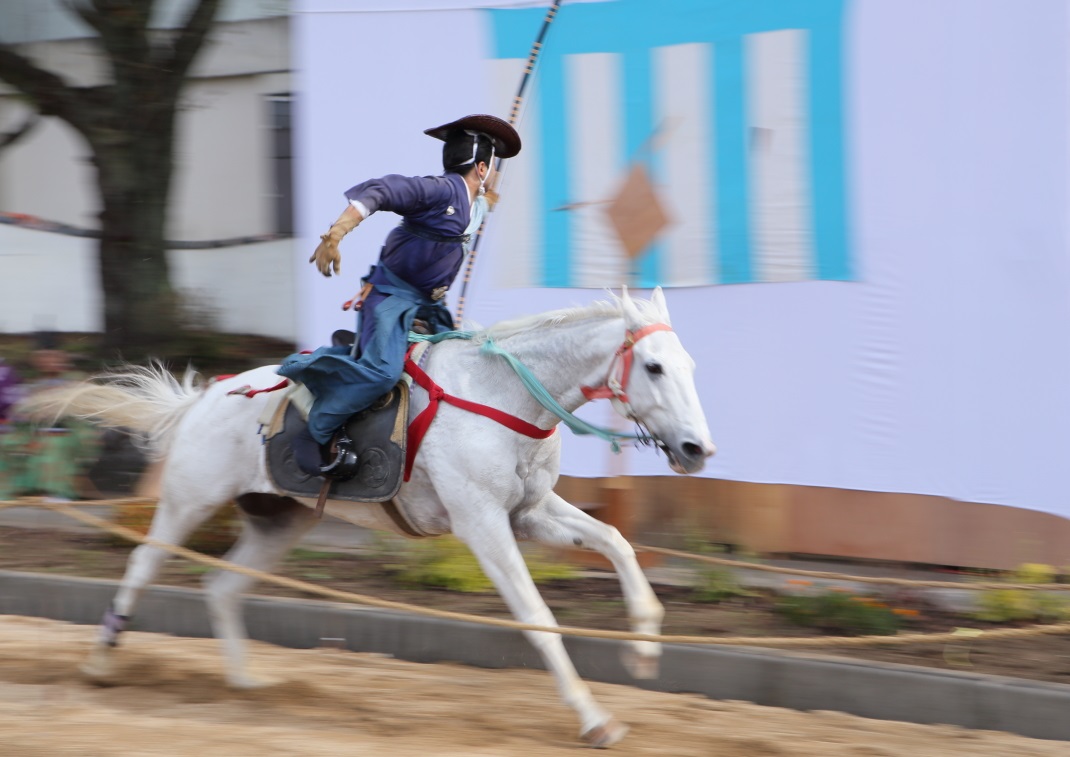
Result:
[
  {"x": 617, "y": 386},
  {"x": 248, "y": 391},
  {"x": 420, "y": 423}
]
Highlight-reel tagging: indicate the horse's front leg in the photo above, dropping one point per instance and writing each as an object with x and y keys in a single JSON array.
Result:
[
  {"x": 556, "y": 522},
  {"x": 490, "y": 537}
]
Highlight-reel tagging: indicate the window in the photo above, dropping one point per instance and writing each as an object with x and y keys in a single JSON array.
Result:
[{"x": 280, "y": 111}]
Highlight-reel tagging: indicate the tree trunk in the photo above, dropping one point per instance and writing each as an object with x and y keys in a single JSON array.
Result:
[
  {"x": 134, "y": 177},
  {"x": 130, "y": 126}
]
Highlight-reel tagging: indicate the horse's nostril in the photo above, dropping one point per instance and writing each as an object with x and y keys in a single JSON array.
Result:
[{"x": 692, "y": 450}]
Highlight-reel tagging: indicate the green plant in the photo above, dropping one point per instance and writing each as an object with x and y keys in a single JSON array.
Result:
[
  {"x": 840, "y": 612},
  {"x": 446, "y": 563},
  {"x": 316, "y": 575},
  {"x": 300, "y": 553},
  {"x": 712, "y": 585},
  {"x": 443, "y": 563},
  {"x": 213, "y": 537},
  {"x": 1010, "y": 605}
]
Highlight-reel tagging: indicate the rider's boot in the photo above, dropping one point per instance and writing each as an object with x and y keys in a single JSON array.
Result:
[
  {"x": 307, "y": 452},
  {"x": 345, "y": 463},
  {"x": 309, "y": 456}
]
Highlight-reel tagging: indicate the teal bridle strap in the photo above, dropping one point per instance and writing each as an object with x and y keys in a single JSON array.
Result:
[{"x": 537, "y": 390}]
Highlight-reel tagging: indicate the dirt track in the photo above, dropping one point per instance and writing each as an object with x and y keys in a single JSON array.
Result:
[{"x": 170, "y": 700}]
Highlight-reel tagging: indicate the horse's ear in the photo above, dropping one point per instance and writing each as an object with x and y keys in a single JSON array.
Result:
[
  {"x": 633, "y": 319},
  {"x": 658, "y": 298}
]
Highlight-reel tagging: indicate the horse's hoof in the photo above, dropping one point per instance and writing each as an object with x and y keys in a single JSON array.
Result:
[
  {"x": 642, "y": 667},
  {"x": 605, "y": 735},
  {"x": 250, "y": 683},
  {"x": 99, "y": 666}
]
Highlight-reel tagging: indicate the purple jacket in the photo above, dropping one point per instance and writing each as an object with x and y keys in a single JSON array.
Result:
[{"x": 435, "y": 205}]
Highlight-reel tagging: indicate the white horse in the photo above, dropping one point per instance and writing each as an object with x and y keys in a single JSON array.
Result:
[{"x": 472, "y": 477}]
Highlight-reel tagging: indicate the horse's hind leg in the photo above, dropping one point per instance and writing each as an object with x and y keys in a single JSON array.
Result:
[
  {"x": 171, "y": 525},
  {"x": 272, "y": 525},
  {"x": 556, "y": 522}
]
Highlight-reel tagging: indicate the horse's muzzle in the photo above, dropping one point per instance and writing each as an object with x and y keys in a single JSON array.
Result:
[{"x": 688, "y": 456}]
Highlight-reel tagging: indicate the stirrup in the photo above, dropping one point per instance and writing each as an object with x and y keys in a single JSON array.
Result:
[{"x": 345, "y": 463}]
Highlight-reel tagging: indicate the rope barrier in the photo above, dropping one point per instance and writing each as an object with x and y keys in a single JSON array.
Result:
[
  {"x": 39, "y": 501},
  {"x": 973, "y": 586},
  {"x": 878, "y": 580},
  {"x": 71, "y": 510}
]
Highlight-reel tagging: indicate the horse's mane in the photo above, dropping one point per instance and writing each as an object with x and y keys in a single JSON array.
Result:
[{"x": 600, "y": 309}]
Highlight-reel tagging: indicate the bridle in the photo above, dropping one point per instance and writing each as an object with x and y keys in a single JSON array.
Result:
[{"x": 615, "y": 386}]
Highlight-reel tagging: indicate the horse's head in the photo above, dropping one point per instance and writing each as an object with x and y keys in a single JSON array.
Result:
[{"x": 655, "y": 385}]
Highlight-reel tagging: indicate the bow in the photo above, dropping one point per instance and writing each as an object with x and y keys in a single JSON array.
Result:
[{"x": 514, "y": 115}]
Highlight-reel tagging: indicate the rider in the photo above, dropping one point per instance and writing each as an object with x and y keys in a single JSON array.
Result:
[{"x": 417, "y": 264}]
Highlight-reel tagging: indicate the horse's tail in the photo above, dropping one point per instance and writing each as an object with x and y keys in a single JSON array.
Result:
[{"x": 145, "y": 401}]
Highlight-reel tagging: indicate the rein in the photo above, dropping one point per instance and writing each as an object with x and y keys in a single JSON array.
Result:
[
  {"x": 614, "y": 387},
  {"x": 579, "y": 426}
]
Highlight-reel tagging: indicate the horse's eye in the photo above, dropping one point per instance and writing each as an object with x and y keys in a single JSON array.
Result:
[{"x": 654, "y": 369}]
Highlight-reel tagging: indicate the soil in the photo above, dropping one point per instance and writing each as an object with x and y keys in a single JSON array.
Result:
[
  {"x": 169, "y": 698},
  {"x": 592, "y": 600}
]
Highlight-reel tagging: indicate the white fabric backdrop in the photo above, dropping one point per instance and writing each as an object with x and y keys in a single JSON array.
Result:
[{"x": 944, "y": 369}]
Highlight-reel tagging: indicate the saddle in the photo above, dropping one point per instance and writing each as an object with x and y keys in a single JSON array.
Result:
[
  {"x": 378, "y": 438},
  {"x": 376, "y": 435}
]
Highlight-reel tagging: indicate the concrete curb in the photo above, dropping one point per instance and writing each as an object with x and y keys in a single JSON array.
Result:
[{"x": 768, "y": 677}]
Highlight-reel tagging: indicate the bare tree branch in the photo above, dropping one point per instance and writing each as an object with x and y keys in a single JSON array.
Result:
[
  {"x": 90, "y": 15},
  {"x": 122, "y": 31},
  {"x": 50, "y": 94},
  {"x": 6, "y": 140},
  {"x": 129, "y": 124},
  {"x": 105, "y": 15},
  {"x": 192, "y": 36}
]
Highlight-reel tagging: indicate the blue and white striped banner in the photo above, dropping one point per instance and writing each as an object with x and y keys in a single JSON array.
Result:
[{"x": 733, "y": 106}]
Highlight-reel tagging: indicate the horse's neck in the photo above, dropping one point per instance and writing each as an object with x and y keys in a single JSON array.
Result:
[{"x": 567, "y": 356}]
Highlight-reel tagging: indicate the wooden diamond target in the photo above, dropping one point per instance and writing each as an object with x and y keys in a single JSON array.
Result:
[{"x": 636, "y": 213}]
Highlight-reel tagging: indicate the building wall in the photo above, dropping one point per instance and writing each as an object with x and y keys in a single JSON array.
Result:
[
  {"x": 223, "y": 174},
  {"x": 47, "y": 173},
  {"x": 36, "y": 20},
  {"x": 223, "y": 185},
  {"x": 247, "y": 288}
]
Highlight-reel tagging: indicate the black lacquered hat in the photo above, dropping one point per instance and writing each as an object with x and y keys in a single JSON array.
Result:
[{"x": 506, "y": 140}]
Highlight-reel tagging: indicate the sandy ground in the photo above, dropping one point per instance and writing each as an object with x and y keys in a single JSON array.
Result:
[{"x": 170, "y": 699}]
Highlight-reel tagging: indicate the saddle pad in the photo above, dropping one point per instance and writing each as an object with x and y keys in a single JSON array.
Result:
[{"x": 378, "y": 436}]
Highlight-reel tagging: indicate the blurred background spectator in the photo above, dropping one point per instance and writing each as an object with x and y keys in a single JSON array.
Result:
[
  {"x": 9, "y": 383},
  {"x": 47, "y": 460}
]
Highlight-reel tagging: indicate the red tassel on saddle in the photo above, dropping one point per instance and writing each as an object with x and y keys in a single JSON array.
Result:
[{"x": 248, "y": 391}]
